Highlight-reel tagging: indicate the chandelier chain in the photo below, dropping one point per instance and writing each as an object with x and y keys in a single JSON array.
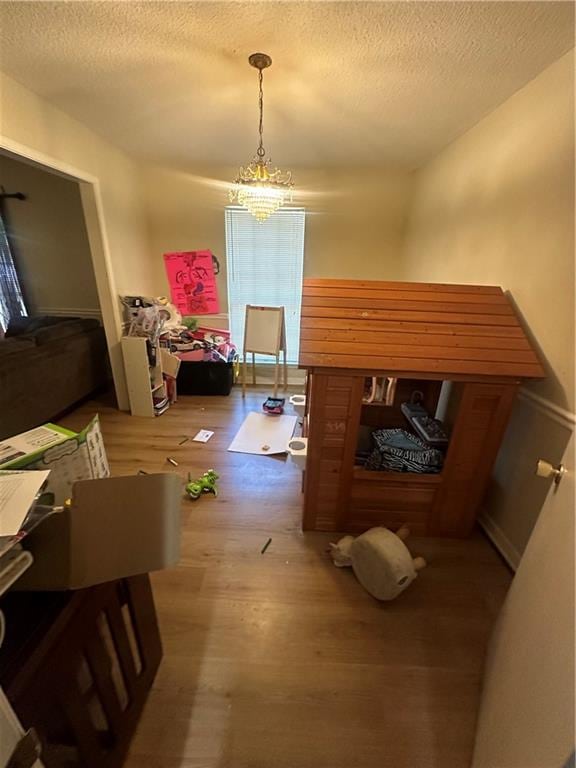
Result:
[
  {"x": 261, "y": 151},
  {"x": 259, "y": 187}
]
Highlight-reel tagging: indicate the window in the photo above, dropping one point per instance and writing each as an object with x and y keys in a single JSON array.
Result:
[
  {"x": 11, "y": 300},
  {"x": 264, "y": 262}
]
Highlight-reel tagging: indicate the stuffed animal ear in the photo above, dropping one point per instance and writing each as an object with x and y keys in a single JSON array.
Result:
[{"x": 403, "y": 532}]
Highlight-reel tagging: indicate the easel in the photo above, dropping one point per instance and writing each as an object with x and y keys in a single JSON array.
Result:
[{"x": 264, "y": 334}]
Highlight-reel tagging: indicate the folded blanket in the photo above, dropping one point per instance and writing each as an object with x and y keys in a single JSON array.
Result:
[{"x": 397, "y": 450}]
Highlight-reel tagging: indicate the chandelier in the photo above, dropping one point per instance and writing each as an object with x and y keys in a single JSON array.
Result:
[{"x": 259, "y": 187}]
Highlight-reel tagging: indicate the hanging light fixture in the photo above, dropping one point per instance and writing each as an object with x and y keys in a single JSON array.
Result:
[{"x": 259, "y": 187}]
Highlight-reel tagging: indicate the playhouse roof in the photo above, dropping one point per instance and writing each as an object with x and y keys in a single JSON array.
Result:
[{"x": 430, "y": 329}]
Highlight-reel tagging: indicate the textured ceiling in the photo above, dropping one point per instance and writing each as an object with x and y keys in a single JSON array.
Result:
[{"x": 388, "y": 83}]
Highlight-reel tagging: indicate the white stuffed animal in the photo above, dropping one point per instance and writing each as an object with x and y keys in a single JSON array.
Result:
[{"x": 380, "y": 559}]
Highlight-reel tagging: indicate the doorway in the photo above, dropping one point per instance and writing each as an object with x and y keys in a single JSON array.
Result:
[{"x": 88, "y": 188}]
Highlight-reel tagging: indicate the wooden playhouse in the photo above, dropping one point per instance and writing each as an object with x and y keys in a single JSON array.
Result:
[{"x": 462, "y": 345}]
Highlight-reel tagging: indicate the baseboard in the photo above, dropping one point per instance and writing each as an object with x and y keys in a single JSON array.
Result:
[
  {"x": 70, "y": 312},
  {"x": 500, "y": 540}
]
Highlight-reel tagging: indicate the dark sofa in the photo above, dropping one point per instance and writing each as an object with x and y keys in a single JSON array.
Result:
[{"x": 47, "y": 364}]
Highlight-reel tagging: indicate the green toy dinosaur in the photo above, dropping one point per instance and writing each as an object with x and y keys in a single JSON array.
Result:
[{"x": 204, "y": 484}]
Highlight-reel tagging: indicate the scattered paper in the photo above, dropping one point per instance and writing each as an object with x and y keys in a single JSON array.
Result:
[
  {"x": 30, "y": 442},
  {"x": 70, "y": 456},
  {"x": 17, "y": 493},
  {"x": 203, "y": 436},
  {"x": 264, "y": 435}
]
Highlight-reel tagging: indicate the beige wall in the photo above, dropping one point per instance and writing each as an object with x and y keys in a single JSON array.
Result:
[
  {"x": 50, "y": 239},
  {"x": 497, "y": 207},
  {"x": 354, "y": 227},
  {"x": 29, "y": 120},
  {"x": 43, "y": 130}
]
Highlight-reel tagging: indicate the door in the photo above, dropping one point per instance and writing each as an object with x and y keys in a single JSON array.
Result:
[{"x": 527, "y": 708}]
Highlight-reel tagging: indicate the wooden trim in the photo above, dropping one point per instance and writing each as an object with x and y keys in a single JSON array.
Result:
[
  {"x": 388, "y": 284},
  {"x": 429, "y": 375},
  {"x": 318, "y": 387},
  {"x": 396, "y": 478},
  {"x": 412, "y": 294},
  {"x": 416, "y": 367},
  {"x": 463, "y": 318},
  {"x": 350, "y": 445},
  {"x": 408, "y": 340},
  {"x": 408, "y": 326},
  {"x": 500, "y": 309},
  {"x": 70, "y": 312},
  {"x": 502, "y": 543},
  {"x": 482, "y": 417},
  {"x": 421, "y": 353}
]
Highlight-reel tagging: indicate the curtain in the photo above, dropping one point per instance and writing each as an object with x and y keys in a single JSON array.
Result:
[{"x": 11, "y": 299}]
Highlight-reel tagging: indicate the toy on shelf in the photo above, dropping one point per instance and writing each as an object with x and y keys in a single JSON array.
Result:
[
  {"x": 380, "y": 559},
  {"x": 204, "y": 484},
  {"x": 431, "y": 430},
  {"x": 201, "y": 344},
  {"x": 274, "y": 406}
]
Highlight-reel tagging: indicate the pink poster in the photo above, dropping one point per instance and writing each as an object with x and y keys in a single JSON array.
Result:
[{"x": 192, "y": 282}]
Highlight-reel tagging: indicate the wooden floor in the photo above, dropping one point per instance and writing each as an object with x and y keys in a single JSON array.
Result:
[{"x": 281, "y": 660}]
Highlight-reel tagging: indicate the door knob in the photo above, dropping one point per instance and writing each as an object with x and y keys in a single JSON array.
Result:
[{"x": 545, "y": 469}]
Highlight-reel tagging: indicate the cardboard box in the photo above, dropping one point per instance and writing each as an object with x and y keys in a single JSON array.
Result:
[
  {"x": 69, "y": 456},
  {"x": 115, "y": 528}
]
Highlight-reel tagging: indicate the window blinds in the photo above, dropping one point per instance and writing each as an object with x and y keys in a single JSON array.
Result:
[{"x": 264, "y": 264}]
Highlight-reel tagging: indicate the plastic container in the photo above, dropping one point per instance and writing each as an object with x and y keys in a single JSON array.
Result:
[{"x": 205, "y": 378}]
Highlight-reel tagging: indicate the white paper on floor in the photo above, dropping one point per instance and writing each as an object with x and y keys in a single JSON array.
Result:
[{"x": 263, "y": 434}]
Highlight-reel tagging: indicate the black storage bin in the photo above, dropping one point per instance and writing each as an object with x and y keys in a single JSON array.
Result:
[{"x": 197, "y": 378}]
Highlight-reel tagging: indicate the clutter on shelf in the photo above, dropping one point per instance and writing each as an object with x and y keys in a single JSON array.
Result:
[
  {"x": 151, "y": 369},
  {"x": 196, "y": 359},
  {"x": 397, "y": 450},
  {"x": 209, "y": 360},
  {"x": 379, "y": 389},
  {"x": 149, "y": 316},
  {"x": 383, "y": 445},
  {"x": 202, "y": 344}
]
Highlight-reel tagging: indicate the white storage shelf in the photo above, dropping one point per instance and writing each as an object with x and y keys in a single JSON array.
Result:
[{"x": 144, "y": 382}]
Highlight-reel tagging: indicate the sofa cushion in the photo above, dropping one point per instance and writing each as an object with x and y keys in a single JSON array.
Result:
[
  {"x": 16, "y": 345},
  {"x": 28, "y": 325},
  {"x": 64, "y": 329}
]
